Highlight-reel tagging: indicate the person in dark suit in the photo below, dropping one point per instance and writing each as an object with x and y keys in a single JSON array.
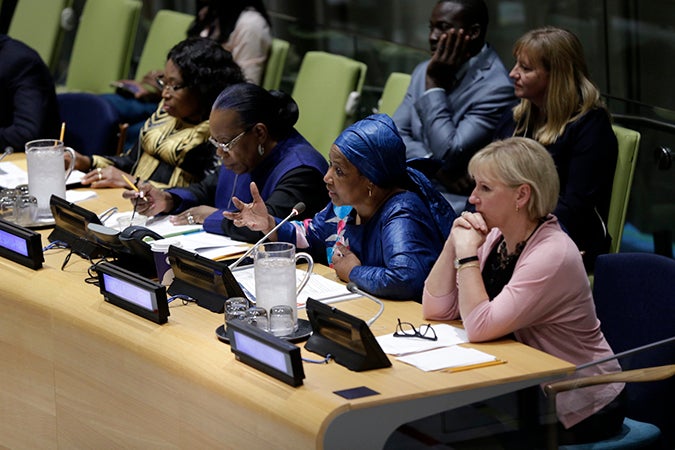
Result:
[
  {"x": 561, "y": 108},
  {"x": 28, "y": 107},
  {"x": 456, "y": 98}
]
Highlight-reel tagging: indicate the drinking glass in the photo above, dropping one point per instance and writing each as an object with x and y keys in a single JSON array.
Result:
[
  {"x": 235, "y": 309},
  {"x": 282, "y": 320},
  {"x": 257, "y": 317}
]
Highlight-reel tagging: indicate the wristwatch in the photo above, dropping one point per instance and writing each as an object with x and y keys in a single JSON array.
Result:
[{"x": 460, "y": 262}]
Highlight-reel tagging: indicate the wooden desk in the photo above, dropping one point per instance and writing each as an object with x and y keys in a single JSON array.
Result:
[{"x": 79, "y": 372}]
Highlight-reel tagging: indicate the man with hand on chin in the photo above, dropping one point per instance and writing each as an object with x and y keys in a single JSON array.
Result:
[{"x": 455, "y": 99}]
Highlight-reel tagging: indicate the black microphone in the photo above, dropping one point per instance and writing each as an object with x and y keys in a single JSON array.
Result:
[
  {"x": 299, "y": 208},
  {"x": 8, "y": 151},
  {"x": 352, "y": 287}
]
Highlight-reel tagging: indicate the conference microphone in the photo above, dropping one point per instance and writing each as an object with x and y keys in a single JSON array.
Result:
[
  {"x": 8, "y": 151},
  {"x": 353, "y": 288},
  {"x": 299, "y": 208}
]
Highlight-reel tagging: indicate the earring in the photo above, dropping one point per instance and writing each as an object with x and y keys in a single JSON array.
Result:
[
  {"x": 370, "y": 191},
  {"x": 261, "y": 150},
  {"x": 517, "y": 208}
]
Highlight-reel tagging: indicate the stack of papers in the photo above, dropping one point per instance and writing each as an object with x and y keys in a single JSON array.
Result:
[
  {"x": 208, "y": 245},
  {"x": 443, "y": 353},
  {"x": 448, "y": 358}
]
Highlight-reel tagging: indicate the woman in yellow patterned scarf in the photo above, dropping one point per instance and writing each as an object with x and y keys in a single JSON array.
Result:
[{"x": 173, "y": 148}]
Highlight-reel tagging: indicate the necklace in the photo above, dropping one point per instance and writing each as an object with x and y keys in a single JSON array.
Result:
[{"x": 506, "y": 260}]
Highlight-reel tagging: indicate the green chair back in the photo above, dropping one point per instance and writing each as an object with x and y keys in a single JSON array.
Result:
[
  {"x": 629, "y": 143},
  {"x": 103, "y": 45},
  {"x": 37, "y": 23},
  {"x": 327, "y": 90},
  {"x": 393, "y": 92},
  {"x": 167, "y": 29},
  {"x": 274, "y": 68}
]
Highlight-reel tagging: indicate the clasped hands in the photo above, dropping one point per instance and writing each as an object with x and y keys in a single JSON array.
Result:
[{"x": 468, "y": 233}]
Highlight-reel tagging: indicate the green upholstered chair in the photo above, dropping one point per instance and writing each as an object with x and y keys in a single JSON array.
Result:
[
  {"x": 274, "y": 68},
  {"x": 393, "y": 92},
  {"x": 327, "y": 90},
  {"x": 629, "y": 143},
  {"x": 166, "y": 30},
  {"x": 37, "y": 23},
  {"x": 103, "y": 45}
]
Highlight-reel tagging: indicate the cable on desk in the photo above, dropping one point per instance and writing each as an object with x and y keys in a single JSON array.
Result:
[
  {"x": 91, "y": 271},
  {"x": 53, "y": 245},
  {"x": 326, "y": 360},
  {"x": 185, "y": 298}
]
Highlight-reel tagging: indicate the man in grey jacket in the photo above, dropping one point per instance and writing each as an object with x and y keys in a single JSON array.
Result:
[{"x": 456, "y": 98}]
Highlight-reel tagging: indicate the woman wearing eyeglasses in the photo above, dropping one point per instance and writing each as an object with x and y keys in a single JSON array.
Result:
[
  {"x": 385, "y": 224},
  {"x": 253, "y": 131},
  {"x": 173, "y": 147}
]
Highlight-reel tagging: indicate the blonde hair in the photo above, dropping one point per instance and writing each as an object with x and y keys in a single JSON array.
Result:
[
  {"x": 570, "y": 92},
  {"x": 516, "y": 161}
]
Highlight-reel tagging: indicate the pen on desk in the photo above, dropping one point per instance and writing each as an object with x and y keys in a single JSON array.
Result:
[{"x": 475, "y": 366}]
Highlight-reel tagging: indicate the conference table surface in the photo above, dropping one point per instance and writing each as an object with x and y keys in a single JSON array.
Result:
[{"x": 80, "y": 372}]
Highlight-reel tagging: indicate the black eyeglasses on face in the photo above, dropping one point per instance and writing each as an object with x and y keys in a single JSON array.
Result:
[
  {"x": 407, "y": 329},
  {"x": 171, "y": 87}
]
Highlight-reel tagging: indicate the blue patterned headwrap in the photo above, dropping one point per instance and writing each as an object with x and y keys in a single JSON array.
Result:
[
  {"x": 374, "y": 146},
  {"x": 376, "y": 149}
]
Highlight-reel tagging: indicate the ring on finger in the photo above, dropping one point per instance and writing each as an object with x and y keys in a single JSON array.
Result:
[
  {"x": 100, "y": 177},
  {"x": 190, "y": 219}
]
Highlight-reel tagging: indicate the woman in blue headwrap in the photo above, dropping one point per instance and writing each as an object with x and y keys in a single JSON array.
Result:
[{"x": 385, "y": 225}]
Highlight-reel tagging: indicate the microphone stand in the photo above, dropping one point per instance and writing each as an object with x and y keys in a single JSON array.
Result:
[
  {"x": 297, "y": 209},
  {"x": 352, "y": 287},
  {"x": 8, "y": 151}
]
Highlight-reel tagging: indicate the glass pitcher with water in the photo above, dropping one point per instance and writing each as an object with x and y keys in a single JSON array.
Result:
[
  {"x": 275, "y": 278},
  {"x": 47, "y": 173}
]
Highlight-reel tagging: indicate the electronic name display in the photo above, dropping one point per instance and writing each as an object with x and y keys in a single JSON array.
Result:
[
  {"x": 21, "y": 245},
  {"x": 266, "y": 352},
  {"x": 133, "y": 292},
  {"x": 208, "y": 282},
  {"x": 345, "y": 337},
  {"x": 71, "y": 226}
]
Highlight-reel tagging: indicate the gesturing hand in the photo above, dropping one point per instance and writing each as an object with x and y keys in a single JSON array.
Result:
[
  {"x": 253, "y": 215},
  {"x": 451, "y": 52}
]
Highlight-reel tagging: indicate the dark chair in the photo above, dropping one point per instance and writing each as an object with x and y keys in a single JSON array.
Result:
[
  {"x": 92, "y": 124},
  {"x": 634, "y": 295}
]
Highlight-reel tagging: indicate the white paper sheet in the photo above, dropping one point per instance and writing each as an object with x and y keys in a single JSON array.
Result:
[
  {"x": 447, "y": 357},
  {"x": 12, "y": 175},
  {"x": 159, "y": 224},
  {"x": 447, "y": 335},
  {"x": 209, "y": 245}
]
